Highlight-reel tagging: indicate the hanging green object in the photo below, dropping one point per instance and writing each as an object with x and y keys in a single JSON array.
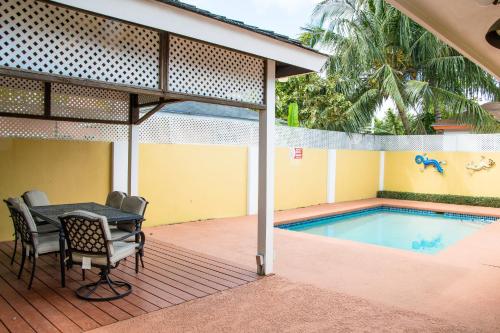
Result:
[{"x": 293, "y": 115}]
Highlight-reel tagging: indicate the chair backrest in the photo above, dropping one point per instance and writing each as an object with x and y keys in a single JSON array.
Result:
[
  {"x": 23, "y": 220},
  {"x": 115, "y": 199},
  {"x": 134, "y": 205},
  {"x": 10, "y": 207},
  {"x": 87, "y": 234},
  {"x": 35, "y": 198}
]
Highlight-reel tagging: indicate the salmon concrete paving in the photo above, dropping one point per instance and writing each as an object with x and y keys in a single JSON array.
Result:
[{"x": 458, "y": 285}]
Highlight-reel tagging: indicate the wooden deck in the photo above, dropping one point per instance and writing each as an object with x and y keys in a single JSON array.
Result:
[{"x": 172, "y": 275}]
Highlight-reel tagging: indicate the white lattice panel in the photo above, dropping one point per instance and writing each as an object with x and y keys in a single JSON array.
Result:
[
  {"x": 60, "y": 130},
  {"x": 182, "y": 129},
  {"x": 205, "y": 70},
  {"x": 89, "y": 103},
  {"x": 45, "y": 38},
  {"x": 21, "y": 96}
]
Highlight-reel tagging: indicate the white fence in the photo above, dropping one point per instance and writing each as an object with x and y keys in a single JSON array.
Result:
[{"x": 184, "y": 129}]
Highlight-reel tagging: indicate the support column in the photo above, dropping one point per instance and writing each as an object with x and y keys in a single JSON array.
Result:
[
  {"x": 381, "y": 171},
  {"x": 252, "y": 180},
  {"x": 133, "y": 160},
  {"x": 331, "y": 176},
  {"x": 265, "y": 243},
  {"x": 120, "y": 166}
]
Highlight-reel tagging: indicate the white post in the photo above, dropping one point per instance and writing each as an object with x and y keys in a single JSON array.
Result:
[
  {"x": 381, "y": 171},
  {"x": 331, "y": 175},
  {"x": 120, "y": 166},
  {"x": 133, "y": 160},
  {"x": 252, "y": 180},
  {"x": 265, "y": 253}
]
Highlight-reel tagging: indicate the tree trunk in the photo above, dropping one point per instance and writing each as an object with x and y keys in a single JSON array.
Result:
[
  {"x": 437, "y": 114},
  {"x": 404, "y": 120}
]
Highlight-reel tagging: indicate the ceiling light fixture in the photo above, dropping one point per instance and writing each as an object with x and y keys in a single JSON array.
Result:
[{"x": 493, "y": 35}]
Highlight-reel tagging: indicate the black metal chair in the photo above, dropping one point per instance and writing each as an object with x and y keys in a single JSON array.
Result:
[
  {"x": 34, "y": 198},
  {"x": 10, "y": 207},
  {"x": 34, "y": 242},
  {"x": 115, "y": 199},
  {"x": 136, "y": 205},
  {"x": 90, "y": 244}
]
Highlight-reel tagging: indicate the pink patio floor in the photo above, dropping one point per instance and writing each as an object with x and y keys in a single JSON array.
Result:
[{"x": 459, "y": 285}]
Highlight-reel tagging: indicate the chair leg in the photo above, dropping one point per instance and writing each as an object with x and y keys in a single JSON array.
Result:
[
  {"x": 23, "y": 259},
  {"x": 137, "y": 262},
  {"x": 15, "y": 250},
  {"x": 33, "y": 267},
  {"x": 141, "y": 257},
  {"x": 87, "y": 291},
  {"x": 83, "y": 274}
]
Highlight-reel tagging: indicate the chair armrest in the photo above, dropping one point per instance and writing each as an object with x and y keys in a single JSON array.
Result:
[
  {"x": 125, "y": 236},
  {"x": 45, "y": 232}
]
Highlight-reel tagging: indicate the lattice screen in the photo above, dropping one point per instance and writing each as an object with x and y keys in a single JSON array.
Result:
[
  {"x": 61, "y": 130},
  {"x": 91, "y": 103},
  {"x": 205, "y": 70},
  {"x": 45, "y": 38},
  {"x": 183, "y": 129},
  {"x": 21, "y": 96}
]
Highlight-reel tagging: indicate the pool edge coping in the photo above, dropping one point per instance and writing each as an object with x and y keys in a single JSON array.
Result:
[{"x": 337, "y": 209}]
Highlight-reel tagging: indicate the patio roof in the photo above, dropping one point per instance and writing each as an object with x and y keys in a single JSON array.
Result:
[{"x": 177, "y": 17}]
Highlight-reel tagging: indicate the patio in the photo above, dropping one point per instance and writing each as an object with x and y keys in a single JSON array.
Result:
[
  {"x": 173, "y": 275},
  {"x": 457, "y": 286}
]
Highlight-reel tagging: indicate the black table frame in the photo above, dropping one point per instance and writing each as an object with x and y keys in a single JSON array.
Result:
[{"x": 51, "y": 214}]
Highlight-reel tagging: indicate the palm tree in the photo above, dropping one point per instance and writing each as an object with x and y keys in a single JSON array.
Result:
[{"x": 378, "y": 53}]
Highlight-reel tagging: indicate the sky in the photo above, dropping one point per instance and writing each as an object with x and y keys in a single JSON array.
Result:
[{"x": 282, "y": 16}]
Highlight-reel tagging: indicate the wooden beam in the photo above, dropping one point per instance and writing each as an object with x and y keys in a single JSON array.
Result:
[
  {"x": 47, "y": 99},
  {"x": 78, "y": 120},
  {"x": 38, "y": 76},
  {"x": 157, "y": 108},
  {"x": 213, "y": 100},
  {"x": 133, "y": 116},
  {"x": 164, "y": 41}
]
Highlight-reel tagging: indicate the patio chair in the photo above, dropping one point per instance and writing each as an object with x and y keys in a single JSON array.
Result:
[
  {"x": 10, "y": 207},
  {"x": 90, "y": 244},
  {"x": 33, "y": 241},
  {"x": 115, "y": 199},
  {"x": 35, "y": 198},
  {"x": 136, "y": 205}
]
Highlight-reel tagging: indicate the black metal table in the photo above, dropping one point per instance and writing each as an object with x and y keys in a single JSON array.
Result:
[{"x": 51, "y": 214}]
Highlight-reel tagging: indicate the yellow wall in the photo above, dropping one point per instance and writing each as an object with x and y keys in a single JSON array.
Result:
[
  {"x": 403, "y": 174},
  {"x": 357, "y": 175},
  {"x": 68, "y": 171},
  {"x": 192, "y": 182},
  {"x": 300, "y": 183}
]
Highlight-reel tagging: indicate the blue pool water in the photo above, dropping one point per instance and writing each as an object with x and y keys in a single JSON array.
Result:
[{"x": 418, "y": 231}]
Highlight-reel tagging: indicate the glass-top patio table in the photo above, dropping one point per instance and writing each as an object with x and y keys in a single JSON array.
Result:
[{"x": 51, "y": 214}]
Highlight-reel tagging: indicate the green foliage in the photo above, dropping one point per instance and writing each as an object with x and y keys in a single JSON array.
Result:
[
  {"x": 379, "y": 53},
  {"x": 319, "y": 104},
  {"x": 442, "y": 198},
  {"x": 293, "y": 115},
  {"x": 389, "y": 125}
]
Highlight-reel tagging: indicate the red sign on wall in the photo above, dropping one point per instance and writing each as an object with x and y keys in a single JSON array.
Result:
[{"x": 297, "y": 153}]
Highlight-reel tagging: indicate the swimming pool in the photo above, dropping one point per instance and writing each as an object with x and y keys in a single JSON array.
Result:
[{"x": 407, "y": 229}]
